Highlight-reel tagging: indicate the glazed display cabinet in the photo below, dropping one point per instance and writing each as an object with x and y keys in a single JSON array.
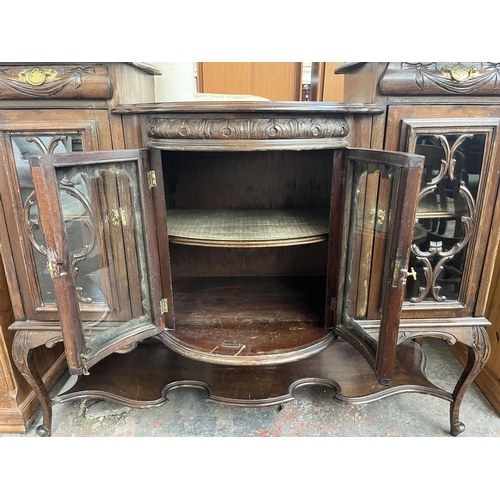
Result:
[
  {"x": 45, "y": 109},
  {"x": 450, "y": 113}
]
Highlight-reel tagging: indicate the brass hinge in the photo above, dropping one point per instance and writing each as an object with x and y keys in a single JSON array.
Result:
[
  {"x": 152, "y": 179},
  {"x": 395, "y": 273},
  {"x": 84, "y": 364},
  {"x": 164, "y": 306}
]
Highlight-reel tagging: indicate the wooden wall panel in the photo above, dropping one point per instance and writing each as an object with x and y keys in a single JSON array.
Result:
[
  {"x": 277, "y": 81},
  {"x": 493, "y": 314},
  {"x": 325, "y": 84}
]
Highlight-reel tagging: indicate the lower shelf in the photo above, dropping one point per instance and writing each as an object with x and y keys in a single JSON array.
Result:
[
  {"x": 248, "y": 320},
  {"x": 143, "y": 378}
]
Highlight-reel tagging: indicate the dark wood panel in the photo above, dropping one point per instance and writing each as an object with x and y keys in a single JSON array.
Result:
[
  {"x": 302, "y": 260},
  {"x": 247, "y": 300},
  {"x": 260, "y": 179}
]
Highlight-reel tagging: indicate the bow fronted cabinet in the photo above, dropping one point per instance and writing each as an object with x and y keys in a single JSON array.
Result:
[{"x": 247, "y": 249}]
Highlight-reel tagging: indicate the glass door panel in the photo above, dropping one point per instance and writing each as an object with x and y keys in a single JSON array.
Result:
[
  {"x": 380, "y": 205},
  {"x": 371, "y": 198},
  {"x": 446, "y": 214},
  {"x": 91, "y": 213},
  {"x": 24, "y": 146}
]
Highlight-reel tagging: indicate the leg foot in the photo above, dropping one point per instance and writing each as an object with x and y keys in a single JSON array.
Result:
[
  {"x": 43, "y": 431},
  {"x": 22, "y": 353},
  {"x": 457, "y": 428},
  {"x": 478, "y": 354}
]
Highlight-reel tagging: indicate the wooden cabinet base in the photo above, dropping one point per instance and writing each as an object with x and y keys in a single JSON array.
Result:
[{"x": 144, "y": 377}]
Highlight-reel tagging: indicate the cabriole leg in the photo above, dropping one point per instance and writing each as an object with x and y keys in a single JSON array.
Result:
[
  {"x": 478, "y": 354},
  {"x": 22, "y": 353}
]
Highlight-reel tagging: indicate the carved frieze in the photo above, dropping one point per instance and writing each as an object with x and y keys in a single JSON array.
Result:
[
  {"x": 438, "y": 78},
  {"x": 49, "y": 82},
  {"x": 188, "y": 127}
]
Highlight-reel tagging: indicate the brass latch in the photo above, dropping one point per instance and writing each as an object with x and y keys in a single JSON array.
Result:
[
  {"x": 118, "y": 216},
  {"x": 164, "y": 306},
  {"x": 380, "y": 218},
  {"x": 54, "y": 268},
  {"x": 405, "y": 274},
  {"x": 152, "y": 178}
]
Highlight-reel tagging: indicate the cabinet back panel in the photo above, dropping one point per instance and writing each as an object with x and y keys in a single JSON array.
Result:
[
  {"x": 262, "y": 179},
  {"x": 301, "y": 260}
]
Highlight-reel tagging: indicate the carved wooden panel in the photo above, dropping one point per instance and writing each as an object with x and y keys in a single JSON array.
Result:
[
  {"x": 189, "y": 127},
  {"x": 438, "y": 78},
  {"x": 48, "y": 81}
]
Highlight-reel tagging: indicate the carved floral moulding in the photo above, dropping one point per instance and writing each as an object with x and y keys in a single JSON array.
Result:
[
  {"x": 441, "y": 78},
  {"x": 48, "y": 81},
  {"x": 247, "y": 128}
]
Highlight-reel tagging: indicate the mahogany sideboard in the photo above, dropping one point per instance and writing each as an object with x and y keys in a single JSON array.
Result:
[
  {"x": 39, "y": 106},
  {"x": 242, "y": 248}
]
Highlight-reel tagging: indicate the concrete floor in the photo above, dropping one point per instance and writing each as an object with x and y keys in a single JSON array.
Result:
[{"x": 311, "y": 414}]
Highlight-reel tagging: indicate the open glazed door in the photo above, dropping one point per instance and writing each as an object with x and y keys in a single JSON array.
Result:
[
  {"x": 96, "y": 219},
  {"x": 381, "y": 191}
]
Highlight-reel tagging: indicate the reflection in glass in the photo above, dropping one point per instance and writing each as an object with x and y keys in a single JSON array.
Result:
[
  {"x": 97, "y": 254},
  {"x": 371, "y": 197},
  {"x": 445, "y": 218},
  {"x": 23, "y": 147}
]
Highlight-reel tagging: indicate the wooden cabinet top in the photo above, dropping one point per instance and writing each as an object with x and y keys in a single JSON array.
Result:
[
  {"x": 245, "y": 125},
  {"x": 270, "y": 107}
]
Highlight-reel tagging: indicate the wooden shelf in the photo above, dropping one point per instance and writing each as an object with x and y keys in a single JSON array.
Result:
[
  {"x": 246, "y": 228},
  {"x": 453, "y": 208},
  {"x": 144, "y": 377},
  {"x": 249, "y": 320}
]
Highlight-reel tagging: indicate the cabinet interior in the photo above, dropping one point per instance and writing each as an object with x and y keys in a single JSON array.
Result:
[{"x": 263, "y": 259}]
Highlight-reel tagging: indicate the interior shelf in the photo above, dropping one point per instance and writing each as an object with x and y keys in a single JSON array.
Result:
[
  {"x": 429, "y": 207},
  {"x": 244, "y": 228},
  {"x": 248, "y": 320}
]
